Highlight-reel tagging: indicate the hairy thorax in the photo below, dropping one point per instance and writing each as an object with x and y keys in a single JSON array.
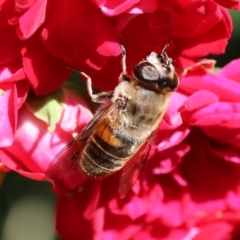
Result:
[{"x": 143, "y": 112}]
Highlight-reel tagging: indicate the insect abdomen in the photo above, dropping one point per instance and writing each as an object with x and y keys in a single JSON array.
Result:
[{"x": 104, "y": 153}]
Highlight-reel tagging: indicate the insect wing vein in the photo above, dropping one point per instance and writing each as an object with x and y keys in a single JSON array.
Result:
[
  {"x": 134, "y": 166},
  {"x": 132, "y": 169},
  {"x": 66, "y": 162}
]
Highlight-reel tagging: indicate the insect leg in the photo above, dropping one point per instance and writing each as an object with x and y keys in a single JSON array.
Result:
[
  {"x": 96, "y": 97},
  {"x": 122, "y": 102},
  {"x": 124, "y": 68},
  {"x": 124, "y": 76}
]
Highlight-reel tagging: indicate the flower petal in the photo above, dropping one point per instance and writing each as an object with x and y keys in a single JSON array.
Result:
[{"x": 8, "y": 113}]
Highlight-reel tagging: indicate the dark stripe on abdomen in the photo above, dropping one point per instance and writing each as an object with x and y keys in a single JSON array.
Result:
[{"x": 100, "y": 158}]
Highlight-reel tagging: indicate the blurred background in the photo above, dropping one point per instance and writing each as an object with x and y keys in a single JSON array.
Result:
[{"x": 27, "y": 207}]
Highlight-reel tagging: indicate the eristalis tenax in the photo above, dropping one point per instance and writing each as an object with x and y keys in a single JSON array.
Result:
[{"x": 123, "y": 128}]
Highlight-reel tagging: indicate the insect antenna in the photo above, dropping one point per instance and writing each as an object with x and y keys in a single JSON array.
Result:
[
  {"x": 167, "y": 45},
  {"x": 166, "y": 59}
]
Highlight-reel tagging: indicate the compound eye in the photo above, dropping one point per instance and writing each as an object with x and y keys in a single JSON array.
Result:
[
  {"x": 147, "y": 72},
  {"x": 166, "y": 82},
  {"x": 163, "y": 83}
]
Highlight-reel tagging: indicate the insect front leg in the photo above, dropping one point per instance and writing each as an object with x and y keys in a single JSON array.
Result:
[
  {"x": 100, "y": 97},
  {"x": 122, "y": 102},
  {"x": 95, "y": 97},
  {"x": 123, "y": 76}
]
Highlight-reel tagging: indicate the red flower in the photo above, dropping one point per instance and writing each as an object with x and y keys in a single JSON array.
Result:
[
  {"x": 45, "y": 126},
  {"x": 233, "y": 4},
  {"x": 13, "y": 92},
  {"x": 47, "y": 36},
  {"x": 185, "y": 190},
  {"x": 214, "y": 103},
  {"x": 192, "y": 39},
  {"x": 186, "y": 179}
]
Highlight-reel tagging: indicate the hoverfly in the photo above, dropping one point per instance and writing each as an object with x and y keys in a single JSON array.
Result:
[{"x": 120, "y": 134}]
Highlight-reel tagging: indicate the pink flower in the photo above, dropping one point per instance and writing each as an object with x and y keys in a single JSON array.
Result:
[
  {"x": 192, "y": 39},
  {"x": 185, "y": 185},
  {"x": 190, "y": 183},
  {"x": 19, "y": 22},
  {"x": 48, "y": 36},
  {"x": 214, "y": 103},
  {"x": 115, "y": 8},
  {"x": 13, "y": 92},
  {"x": 233, "y": 4},
  {"x": 45, "y": 126}
]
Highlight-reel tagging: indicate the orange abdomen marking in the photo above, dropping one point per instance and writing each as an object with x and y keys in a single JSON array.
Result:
[
  {"x": 105, "y": 152},
  {"x": 105, "y": 133}
]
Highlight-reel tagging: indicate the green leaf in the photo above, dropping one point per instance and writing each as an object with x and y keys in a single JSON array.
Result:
[
  {"x": 48, "y": 108},
  {"x": 216, "y": 69}
]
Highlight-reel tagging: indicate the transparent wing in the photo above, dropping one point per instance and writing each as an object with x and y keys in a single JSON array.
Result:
[
  {"x": 134, "y": 166},
  {"x": 67, "y": 161}
]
